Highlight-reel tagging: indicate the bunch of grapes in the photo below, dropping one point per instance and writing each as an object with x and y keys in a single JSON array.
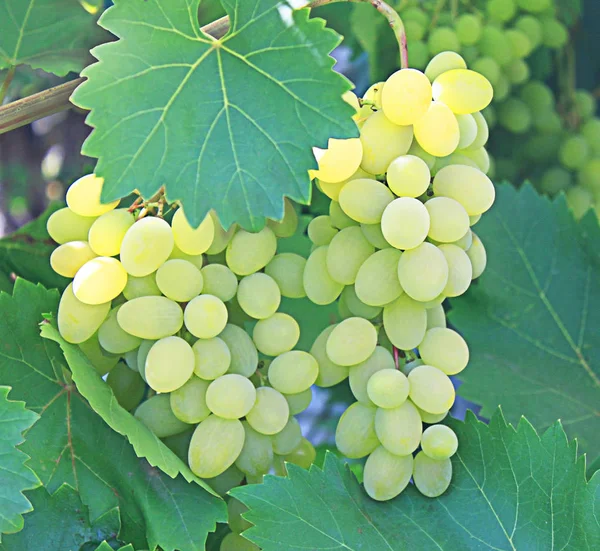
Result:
[{"x": 397, "y": 242}]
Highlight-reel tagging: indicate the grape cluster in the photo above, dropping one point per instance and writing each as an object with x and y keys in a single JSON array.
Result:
[{"x": 397, "y": 242}]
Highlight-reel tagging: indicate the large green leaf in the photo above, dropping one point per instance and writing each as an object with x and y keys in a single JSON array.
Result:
[
  {"x": 532, "y": 322},
  {"x": 226, "y": 124},
  {"x": 511, "y": 489},
  {"x": 15, "y": 475},
  {"x": 53, "y": 35},
  {"x": 71, "y": 444}
]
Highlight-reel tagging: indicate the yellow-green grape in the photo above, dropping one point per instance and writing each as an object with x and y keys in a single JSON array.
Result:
[
  {"x": 431, "y": 389},
  {"x": 383, "y": 141},
  {"x": 299, "y": 402},
  {"x": 463, "y": 91},
  {"x": 333, "y": 190},
  {"x": 439, "y": 442},
  {"x": 405, "y": 223},
  {"x": 480, "y": 157},
  {"x": 169, "y": 364},
  {"x": 346, "y": 253},
  {"x": 179, "y": 444},
  {"x": 213, "y": 358},
  {"x": 406, "y": 96},
  {"x": 64, "y": 225},
  {"x": 235, "y": 510},
  {"x": 339, "y": 161},
  {"x": 343, "y": 310},
  {"x": 445, "y": 349},
  {"x": 431, "y": 418},
  {"x": 179, "y": 280},
  {"x": 364, "y": 200},
  {"x": 431, "y": 476},
  {"x": 288, "y": 439},
  {"x": 144, "y": 286},
  {"x": 357, "y": 307},
  {"x": 113, "y": 339},
  {"x": 288, "y": 225},
  {"x": 417, "y": 151},
  {"x": 449, "y": 220},
  {"x": 374, "y": 235},
  {"x": 408, "y": 176},
  {"x": 468, "y": 130},
  {"x": 177, "y": 254},
  {"x": 256, "y": 456},
  {"x": 108, "y": 231},
  {"x": 142, "y": 355},
  {"x": 443, "y": 62},
  {"x": 453, "y": 159},
  {"x": 101, "y": 361},
  {"x": 99, "y": 280},
  {"x": 287, "y": 269},
  {"x": 388, "y": 388},
  {"x": 215, "y": 445},
  {"x": 321, "y": 230},
  {"x": 146, "y": 246},
  {"x": 399, "y": 429},
  {"x": 303, "y": 456},
  {"x": 319, "y": 286},
  {"x": 377, "y": 282},
  {"x": 205, "y": 316},
  {"x": 219, "y": 281},
  {"x": 477, "y": 256},
  {"x": 66, "y": 259},
  {"x": 330, "y": 373},
  {"x": 258, "y": 295},
  {"x": 437, "y": 301},
  {"x": 249, "y": 252},
  {"x": 350, "y": 98},
  {"x": 436, "y": 317},
  {"x": 352, "y": 341},
  {"x": 221, "y": 237},
  {"x": 467, "y": 185},
  {"x": 131, "y": 359},
  {"x": 276, "y": 334},
  {"x": 235, "y": 542},
  {"x": 150, "y": 317},
  {"x": 483, "y": 132},
  {"x": 83, "y": 196},
  {"x": 386, "y": 475},
  {"x": 405, "y": 322},
  {"x": 465, "y": 241},
  {"x": 437, "y": 131},
  {"x": 355, "y": 433},
  {"x": 460, "y": 270},
  {"x": 230, "y": 396},
  {"x": 474, "y": 219},
  {"x": 270, "y": 412},
  {"x": 228, "y": 479},
  {"x": 189, "y": 240},
  {"x": 380, "y": 360},
  {"x": 339, "y": 219},
  {"x": 423, "y": 272},
  {"x": 156, "y": 414},
  {"x": 188, "y": 402},
  {"x": 244, "y": 357},
  {"x": 127, "y": 386},
  {"x": 293, "y": 372}
]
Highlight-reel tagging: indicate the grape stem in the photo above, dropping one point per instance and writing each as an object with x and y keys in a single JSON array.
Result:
[
  {"x": 396, "y": 357},
  {"x": 7, "y": 80}
]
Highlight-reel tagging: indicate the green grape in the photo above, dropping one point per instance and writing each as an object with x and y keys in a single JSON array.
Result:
[
  {"x": 83, "y": 197},
  {"x": 386, "y": 475},
  {"x": 320, "y": 287},
  {"x": 445, "y": 349},
  {"x": 531, "y": 27},
  {"x": 388, "y": 388},
  {"x": 414, "y": 30},
  {"x": 517, "y": 72},
  {"x": 468, "y": 30},
  {"x": 107, "y": 232},
  {"x": 439, "y": 442},
  {"x": 480, "y": 157},
  {"x": 64, "y": 226},
  {"x": 408, "y": 367},
  {"x": 414, "y": 13},
  {"x": 276, "y": 334},
  {"x": 67, "y": 259},
  {"x": 501, "y": 10},
  {"x": 188, "y": 402},
  {"x": 417, "y": 151},
  {"x": 221, "y": 238},
  {"x": 580, "y": 200},
  {"x": 131, "y": 359},
  {"x": 287, "y": 269},
  {"x": 321, "y": 230},
  {"x": 449, "y": 220},
  {"x": 437, "y": 131},
  {"x": 212, "y": 358},
  {"x": 179, "y": 280},
  {"x": 303, "y": 456},
  {"x": 297, "y": 403},
  {"x": 330, "y": 373},
  {"x": 150, "y": 317},
  {"x": 250, "y": 252},
  {"x": 230, "y": 396},
  {"x": 468, "y": 130},
  {"x": 493, "y": 44},
  {"x": 460, "y": 270},
  {"x": 477, "y": 256},
  {"x": 177, "y": 254},
  {"x": 463, "y": 91},
  {"x": 244, "y": 357},
  {"x": 352, "y": 341},
  {"x": 519, "y": 42},
  {"x": 78, "y": 321},
  {"x": 256, "y": 456},
  {"x": 113, "y": 339},
  {"x": 405, "y": 223},
  {"x": 555, "y": 180},
  {"x": 436, "y": 317},
  {"x": 471, "y": 54},
  {"x": 465, "y": 241},
  {"x": 169, "y": 364},
  {"x": 142, "y": 355},
  {"x": 339, "y": 218},
  {"x": 373, "y": 235},
  {"x": 355, "y": 433},
  {"x": 189, "y": 240},
  {"x": 405, "y": 322},
  {"x": 259, "y": 295},
  {"x": 156, "y": 414},
  {"x": 405, "y": 98},
  {"x": 423, "y": 272},
  {"x": 418, "y": 53},
  {"x": 361, "y": 373},
  {"x": 270, "y": 412},
  {"x": 235, "y": 542},
  {"x": 501, "y": 92},
  {"x": 431, "y": 389},
  {"x": 219, "y": 281},
  {"x": 227, "y": 480},
  {"x": 383, "y": 141},
  {"x": 431, "y": 418},
  {"x": 348, "y": 250},
  {"x": 489, "y": 68},
  {"x": 127, "y": 386},
  {"x": 288, "y": 225},
  {"x": 591, "y": 132},
  {"x": 377, "y": 282},
  {"x": 205, "y": 316},
  {"x": 514, "y": 115},
  {"x": 144, "y": 286},
  {"x": 146, "y": 246},
  {"x": 339, "y": 161},
  {"x": 589, "y": 175},
  {"x": 537, "y": 95},
  {"x": 399, "y": 429},
  {"x": 235, "y": 510},
  {"x": 357, "y": 307},
  {"x": 443, "y": 39},
  {"x": 364, "y": 200},
  {"x": 482, "y": 131},
  {"x": 407, "y": 176},
  {"x": 288, "y": 439},
  {"x": 534, "y": 6},
  {"x": 554, "y": 34},
  {"x": 574, "y": 152},
  {"x": 467, "y": 185},
  {"x": 101, "y": 361},
  {"x": 215, "y": 445},
  {"x": 454, "y": 159},
  {"x": 293, "y": 372},
  {"x": 431, "y": 477},
  {"x": 179, "y": 444},
  {"x": 99, "y": 280}
]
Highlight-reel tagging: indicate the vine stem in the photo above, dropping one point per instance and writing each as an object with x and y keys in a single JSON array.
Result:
[{"x": 7, "y": 80}]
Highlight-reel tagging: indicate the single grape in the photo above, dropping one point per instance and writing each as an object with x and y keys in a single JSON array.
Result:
[
  {"x": 150, "y": 317},
  {"x": 357, "y": 307},
  {"x": 205, "y": 316},
  {"x": 449, "y": 220},
  {"x": 514, "y": 115},
  {"x": 83, "y": 197},
  {"x": 228, "y": 479},
  {"x": 177, "y": 254},
  {"x": 465, "y": 241},
  {"x": 467, "y": 185},
  {"x": 589, "y": 175},
  {"x": 361, "y": 373},
  {"x": 534, "y": 6},
  {"x": 388, "y": 388},
  {"x": 386, "y": 474},
  {"x": 146, "y": 246},
  {"x": 256, "y": 456},
  {"x": 270, "y": 412},
  {"x": 443, "y": 39},
  {"x": 339, "y": 219},
  {"x": 346, "y": 253},
  {"x": 107, "y": 232},
  {"x": 212, "y": 358},
  {"x": 405, "y": 223},
  {"x": 352, "y": 341},
  {"x": 418, "y": 52},
  {"x": 489, "y": 68},
  {"x": 321, "y": 230},
  {"x": 493, "y": 44},
  {"x": 520, "y": 44},
  {"x": 482, "y": 131},
  {"x": 188, "y": 402},
  {"x": 221, "y": 237},
  {"x": 156, "y": 414},
  {"x": 423, "y": 272},
  {"x": 303, "y": 456},
  {"x": 99, "y": 280},
  {"x": 276, "y": 334},
  {"x": 431, "y": 418},
  {"x": 480, "y": 157},
  {"x": 179, "y": 280},
  {"x": 287, "y": 269},
  {"x": 437, "y": 131},
  {"x": 288, "y": 439},
  {"x": 408, "y": 176},
  {"x": 169, "y": 364},
  {"x": 364, "y": 200},
  {"x": 406, "y": 96},
  {"x": 445, "y": 349},
  {"x": 436, "y": 317},
  {"x": 554, "y": 33},
  {"x": 235, "y": 510},
  {"x": 230, "y": 396},
  {"x": 103, "y": 363},
  {"x": 250, "y": 252},
  {"x": 288, "y": 224},
  {"x": 501, "y": 10},
  {"x": 299, "y": 402},
  {"x": 460, "y": 270},
  {"x": 339, "y": 161},
  {"x": 374, "y": 235},
  {"x": 574, "y": 152},
  {"x": 67, "y": 259},
  {"x": 127, "y": 386},
  {"x": 431, "y": 389},
  {"x": 477, "y": 256},
  {"x": 399, "y": 429},
  {"x": 144, "y": 286},
  {"x": 330, "y": 373},
  {"x": 439, "y": 442},
  {"x": 463, "y": 91},
  {"x": 113, "y": 339},
  {"x": 244, "y": 356},
  {"x": 468, "y": 31},
  {"x": 431, "y": 476},
  {"x": 293, "y": 372},
  {"x": 377, "y": 282},
  {"x": 531, "y": 27},
  {"x": 580, "y": 200},
  {"x": 219, "y": 281},
  {"x": 64, "y": 225},
  {"x": 468, "y": 130},
  {"x": 355, "y": 433},
  {"x": 405, "y": 322}
]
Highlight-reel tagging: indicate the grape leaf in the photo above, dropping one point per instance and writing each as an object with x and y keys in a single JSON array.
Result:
[
  {"x": 16, "y": 476},
  {"x": 226, "y": 124},
  {"x": 53, "y": 35},
  {"x": 104, "y": 546},
  {"x": 62, "y": 521},
  {"x": 532, "y": 320},
  {"x": 511, "y": 489},
  {"x": 71, "y": 444}
]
